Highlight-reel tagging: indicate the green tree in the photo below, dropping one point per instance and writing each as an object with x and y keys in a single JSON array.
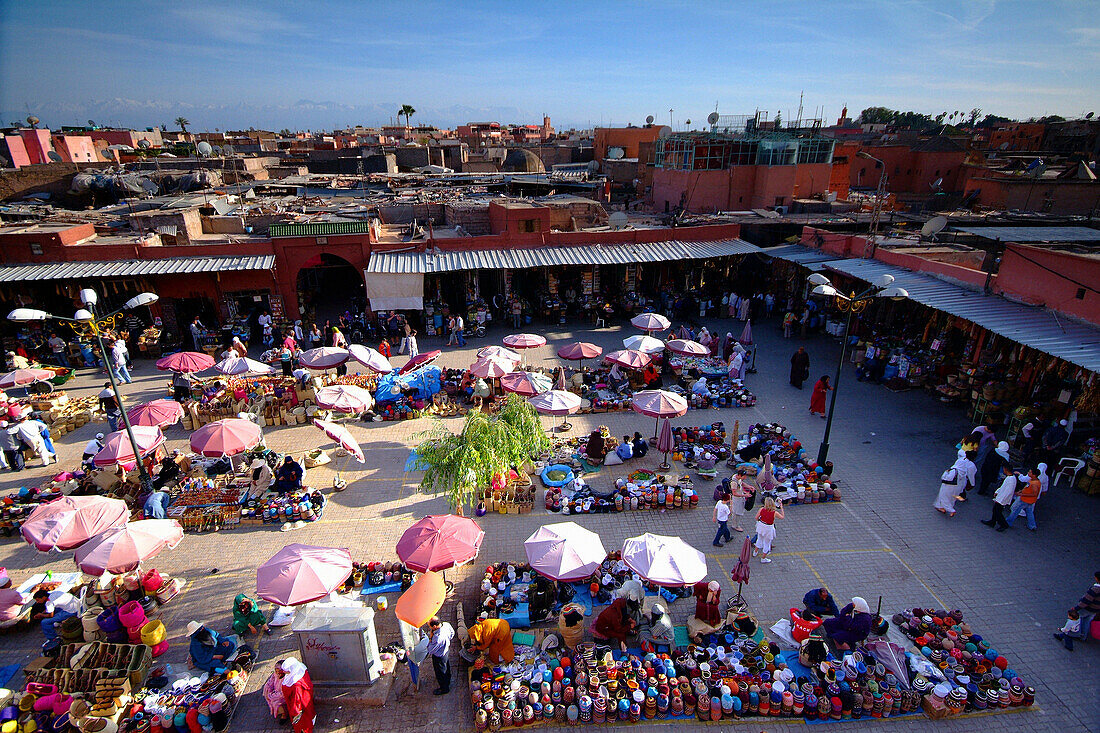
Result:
[
  {"x": 877, "y": 115},
  {"x": 408, "y": 111},
  {"x": 993, "y": 120},
  {"x": 974, "y": 116},
  {"x": 183, "y": 122}
]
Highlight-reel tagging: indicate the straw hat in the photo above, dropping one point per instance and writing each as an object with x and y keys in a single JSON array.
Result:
[{"x": 192, "y": 627}]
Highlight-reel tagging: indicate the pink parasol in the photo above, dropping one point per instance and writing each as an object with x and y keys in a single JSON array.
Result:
[
  {"x": 324, "y": 357},
  {"x": 746, "y": 334},
  {"x": 420, "y": 360},
  {"x": 557, "y": 402},
  {"x": 658, "y": 403},
  {"x": 186, "y": 362},
  {"x": 300, "y": 574},
  {"x": 118, "y": 449},
  {"x": 121, "y": 550},
  {"x": 492, "y": 367},
  {"x": 242, "y": 365},
  {"x": 665, "y": 443},
  {"x": 564, "y": 551},
  {"x": 226, "y": 437},
  {"x": 645, "y": 344},
  {"x": 342, "y": 436},
  {"x": 527, "y": 384},
  {"x": 684, "y": 347},
  {"x": 559, "y": 380},
  {"x": 438, "y": 542},
  {"x": 650, "y": 322},
  {"x": 21, "y": 377},
  {"x": 68, "y": 522},
  {"x": 579, "y": 351},
  {"x": 664, "y": 560},
  {"x": 499, "y": 351},
  {"x": 524, "y": 341},
  {"x": 740, "y": 572},
  {"x": 370, "y": 358},
  {"x": 629, "y": 358},
  {"x": 158, "y": 413},
  {"x": 344, "y": 398}
]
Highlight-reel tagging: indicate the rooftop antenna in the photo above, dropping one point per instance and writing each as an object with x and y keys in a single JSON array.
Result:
[
  {"x": 799, "y": 123},
  {"x": 670, "y": 122},
  {"x": 712, "y": 119},
  {"x": 649, "y": 120}
]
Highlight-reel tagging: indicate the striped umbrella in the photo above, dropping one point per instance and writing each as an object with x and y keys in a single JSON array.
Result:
[
  {"x": 650, "y": 322},
  {"x": 527, "y": 384},
  {"x": 185, "y": 362},
  {"x": 324, "y": 357}
]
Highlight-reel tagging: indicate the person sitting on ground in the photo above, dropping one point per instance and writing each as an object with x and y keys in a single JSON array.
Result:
[
  {"x": 493, "y": 637},
  {"x": 1087, "y": 610},
  {"x": 615, "y": 623},
  {"x": 209, "y": 651},
  {"x": 641, "y": 446},
  {"x": 288, "y": 477},
  {"x": 819, "y": 602},
  {"x": 659, "y": 631},
  {"x": 595, "y": 449},
  {"x": 851, "y": 626},
  {"x": 261, "y": 478},
  {"x": 616, "y": 380},
  {"x": 625, "y": 449},
  {"x": 247, "y": 616},
  {"x": 11, "y": 601}
]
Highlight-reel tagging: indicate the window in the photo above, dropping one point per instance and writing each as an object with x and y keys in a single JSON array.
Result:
[
  {"x": 778, "y": 200},
  {"x": 36, "y": 248},
  {"x": 937, "y": 173},
  {"x": 1080, "y": 293},
  {"x": 527, "y": 225},
  {"x": 322, "y": 240}
]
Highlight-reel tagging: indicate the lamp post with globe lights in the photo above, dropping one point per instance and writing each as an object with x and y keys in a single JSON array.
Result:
[
  {"x": 88, "y": 320},
  {"x": 882, "y": 287}
]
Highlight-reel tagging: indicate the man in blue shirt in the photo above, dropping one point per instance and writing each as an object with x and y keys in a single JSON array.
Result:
[
  {"x": 439, "y": 646},
  {"x": 625, "y": 450},
  {"x": 820, "y": 602}
]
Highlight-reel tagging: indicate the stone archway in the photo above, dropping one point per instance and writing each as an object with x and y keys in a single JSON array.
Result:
[{"x": 327, "y": 286}]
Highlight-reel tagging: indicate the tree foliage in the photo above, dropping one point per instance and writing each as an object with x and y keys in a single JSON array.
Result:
[{"x": 459, "y": 465}]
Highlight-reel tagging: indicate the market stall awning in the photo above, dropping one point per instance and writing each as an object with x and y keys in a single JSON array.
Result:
[
  {"x": 808, "y": 258},
  {"x": 394, "y": 291},
  {"x": 589, "y": 254},
  {"x": 1031, "y": 326},
  {"x": 133, "y": 268}
]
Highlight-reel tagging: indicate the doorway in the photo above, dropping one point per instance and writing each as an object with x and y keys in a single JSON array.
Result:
[{"x": 328, "y": 285}]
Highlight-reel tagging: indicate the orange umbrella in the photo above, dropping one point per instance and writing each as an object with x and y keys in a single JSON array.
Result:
[{"x": 422, "y": 600}]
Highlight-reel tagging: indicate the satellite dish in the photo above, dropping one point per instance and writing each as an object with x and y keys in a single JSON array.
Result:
[
  {"x": 217, "y": 149},
  {"x": 615, "y": 153},
  {"x": 1089, "y": 115},
  {"x": 933, "y": 226},
  {"x": 228, "y": 149},
  {"x": 712, "y": 118},
  {"x": 593, "y": 166},
  {"x": 204, "y": 149},
  {"x": 144, "y": 144},
  {"x": 1004, "y": 146},
  {"x": 54, "y": 156},
  {"x": 937, "y": 184},
  {"x": 665, "y": 131},
  {"x": 618, "y": 220},
  {"x": 649, "y": 120}
]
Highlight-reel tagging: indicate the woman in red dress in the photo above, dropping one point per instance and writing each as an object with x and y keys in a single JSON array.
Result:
[
  {"x": 298, "y": 693},
  {"x": 817, "y": 399}
]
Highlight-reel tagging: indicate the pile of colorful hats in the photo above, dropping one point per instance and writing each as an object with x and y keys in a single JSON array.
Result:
[
  {"x": 975, "y": 676},
  {"x": 141, "y": 630}
]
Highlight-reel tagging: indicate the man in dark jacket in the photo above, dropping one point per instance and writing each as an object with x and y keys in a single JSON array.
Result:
[
  {"x": 819, "y": 602},
  {"x": 800, "y": 367}
]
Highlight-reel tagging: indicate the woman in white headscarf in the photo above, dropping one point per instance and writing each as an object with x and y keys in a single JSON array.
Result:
[
  {"x": 1044, "y": 479},
  {"x": 705, "y": 338},
  {"x": 298, "y": 693},
  {"x": 953, "y": 482},
  {"x": 740, "y": 350}
]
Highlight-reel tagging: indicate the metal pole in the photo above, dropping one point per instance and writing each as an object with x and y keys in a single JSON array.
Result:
[
  {"x": 146, "y": 481},
  {"x": 823, "y": 451}
]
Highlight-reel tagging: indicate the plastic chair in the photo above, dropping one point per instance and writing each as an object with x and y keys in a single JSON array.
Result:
[{"x": 1068, "y": 467}]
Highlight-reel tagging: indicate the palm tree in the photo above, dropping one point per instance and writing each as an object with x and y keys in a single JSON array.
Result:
[
  {"x": 183, "y": 122},
  {"x": 408, "y": 111}
]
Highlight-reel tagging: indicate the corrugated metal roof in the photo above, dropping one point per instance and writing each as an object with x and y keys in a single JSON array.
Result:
[
  {"x": 493, "y": 259},
  {"x": 319, "y": 229},
  {"x": 1035, "y": 234},
  {"x": 809, "y": 258},
  {"x": 133, "y": 268},
  {"x": 1031, "y": 326}
]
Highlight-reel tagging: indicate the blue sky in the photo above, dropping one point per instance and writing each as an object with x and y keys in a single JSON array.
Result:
[{"x": 320, "y": 65}]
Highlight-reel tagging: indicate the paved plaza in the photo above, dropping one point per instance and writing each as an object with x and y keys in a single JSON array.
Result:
[{"x": 884, "y": 538}]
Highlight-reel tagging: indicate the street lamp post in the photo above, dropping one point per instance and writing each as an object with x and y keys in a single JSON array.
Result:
[
  {"x": 87, "y": 318},
  {"x": 881, "y": 288}
]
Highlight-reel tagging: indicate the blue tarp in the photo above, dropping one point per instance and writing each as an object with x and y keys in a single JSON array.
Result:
[{"x": 425, "y": 381}]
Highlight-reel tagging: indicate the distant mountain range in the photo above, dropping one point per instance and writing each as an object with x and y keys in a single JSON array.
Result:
[{"x": 304, "y": 114}]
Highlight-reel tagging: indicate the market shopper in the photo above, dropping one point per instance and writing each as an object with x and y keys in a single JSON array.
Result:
[
  {"x": 1024, "y": 503},
  {"x": 298, "y": 693},
  {"x": 817, "y": 399},
  {"x": 1002, "y": 498},
  {"x": 156, "y": 505},
  {"x": 953, "y": 484},
  {"x": 819, "y": 602},
  {"x": 849, "y": 628},
  {"x": 28, "y": 432},
  {"x": 595, "y": 449},
  {"x": 989, "y": 470},
  {"x": 800, "y": 367},
  {"x": 1054, "y": 440},
  {"x": 739, "y": 496},
  {"x": 1087, "y": 610},
  {"x": 439, "y": 646},
  {"x": 58, "y": 347},
  {"x": 273, "y": 696},
  {"x": 119, "y": 358},
  {"x": 615, "y": 623},
  {"x": 765, "y": 527},
  {"x": 721, "y": 516}
]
